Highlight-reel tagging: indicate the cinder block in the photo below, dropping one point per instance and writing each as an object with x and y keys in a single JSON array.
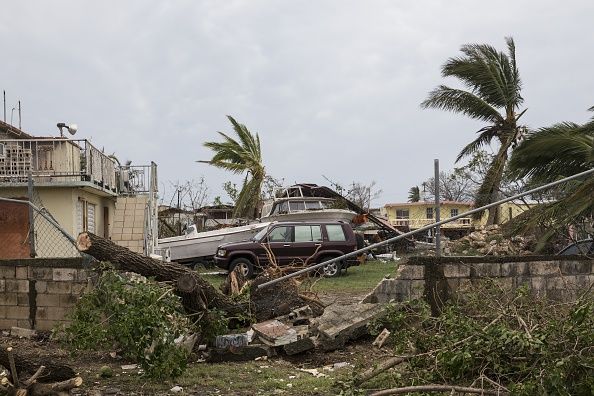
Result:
[
  {"x": 138, "y": 234},
  {"x": 48, "y": 300},
  {"x": 8, "y": 298},
  {"x": 126, "y": 237},
  {"x": 82, "y": 275},
  {"x": 64, "y": 274},
  {"x": 17, "y": 285},
  {"x": 41, "y": 273},
  {"x": 456, "y": 270},
  {"x": 411, "y": 272},
  {"x": 8, "y": 272},
  {"x": 68, "y": 300},
  {"x": 514, "y": 269},
  {"x": 17, "y": 312},
  {"x": 538, "y": 284},
  {"x": 140, "y": 205},
  {"x": 556, "y": 282},
  {"x": 22, "y": 272},
  {"x": 23, "y": 299},
  {"x": 540, "y": 268},
  {"x": 56, "y": 313},
  {"x": 139, "y": 213},
  {"x": 127, "y": 230},
  {"x": 2, "y": 285},
  {"x": 453, "y": 284},
  {"x": 575, "y": 267},
  {"x": 486, "y": 270},
  {"x": 417, "y": 288},
  {"x": 41, "y": 286},
  {"x": 59, "y": 287}
]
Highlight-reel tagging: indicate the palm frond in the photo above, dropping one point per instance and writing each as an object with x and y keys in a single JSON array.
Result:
[{"x": 460, "y": 101}]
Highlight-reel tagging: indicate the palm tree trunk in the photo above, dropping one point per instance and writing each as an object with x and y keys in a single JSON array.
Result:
[{"x": 498, "y": 167}]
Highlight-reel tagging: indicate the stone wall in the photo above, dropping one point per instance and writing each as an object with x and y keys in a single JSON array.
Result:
[
  {"x": 436, "y": 279},
  {"x": 38, "y": 293}
]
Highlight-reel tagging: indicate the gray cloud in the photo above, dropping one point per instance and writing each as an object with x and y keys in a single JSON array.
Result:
[{"x": 333, "y": 87}]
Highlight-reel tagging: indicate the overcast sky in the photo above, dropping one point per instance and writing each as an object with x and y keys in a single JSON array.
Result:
[{"x": 332, "y": 87}]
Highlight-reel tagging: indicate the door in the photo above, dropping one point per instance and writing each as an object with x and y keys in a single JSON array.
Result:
[
  {"x": 280, "y": 242},
  {"x": 307, "y": 240}
]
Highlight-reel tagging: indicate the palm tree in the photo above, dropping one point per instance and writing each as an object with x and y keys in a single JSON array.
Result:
[
  {"x": 241, "y": 156},
  {"x": 552, "y": 153},
  {"x": 492, "y": 94},
  {"x": 414, "y": 195}
]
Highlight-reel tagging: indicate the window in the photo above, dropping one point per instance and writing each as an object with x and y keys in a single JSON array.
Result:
[
  {"x": 85, "y": 216},
  {"x": 280, "y": 234},
  {"x": 308, "y": 234},
  {"x": 402, "y": 214},
  {"x": 453, "y": 212},
  {"x": 296, "y": 206},
  {"x": 429, "y": 213},
  {"x": 335, "y": 233},
  {"x": 313, "y": 205}
]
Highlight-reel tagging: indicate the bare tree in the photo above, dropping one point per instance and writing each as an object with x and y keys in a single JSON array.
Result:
[{"x": 360, "y": 194}]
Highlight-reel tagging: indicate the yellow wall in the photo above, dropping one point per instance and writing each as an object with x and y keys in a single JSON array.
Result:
[
  {"x": 418, "y": 213},
  {"x": 507, "y": 211}
]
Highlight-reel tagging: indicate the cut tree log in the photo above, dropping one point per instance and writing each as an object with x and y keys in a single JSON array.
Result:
[
  {"x": 27, "y": 362},
  {"x": 197, "y": 294}
]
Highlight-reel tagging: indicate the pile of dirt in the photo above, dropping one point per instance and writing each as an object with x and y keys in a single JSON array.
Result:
[{"x": 490, "y": 241}]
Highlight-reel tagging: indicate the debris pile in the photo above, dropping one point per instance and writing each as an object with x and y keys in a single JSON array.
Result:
[{"x": 490, "y": 241}]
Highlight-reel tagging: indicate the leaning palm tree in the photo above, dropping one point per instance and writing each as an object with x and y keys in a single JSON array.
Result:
[
  {"x": 492, "y": 94},
  {"x": 241, "y": 156},
  {"x": 550, "y": 154}
]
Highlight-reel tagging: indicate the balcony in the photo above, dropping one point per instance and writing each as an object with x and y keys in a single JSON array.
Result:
[
  {"x": 59, "y": 161},
  {"x": 464, "y": 222}
]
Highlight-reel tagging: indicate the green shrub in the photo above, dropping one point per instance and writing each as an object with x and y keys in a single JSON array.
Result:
[
  {"x": 138, "y": 317},
  {"x": 528, "y": 344}
]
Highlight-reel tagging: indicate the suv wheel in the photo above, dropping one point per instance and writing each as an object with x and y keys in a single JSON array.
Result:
[
  {"x": 247, "y": 268},
  {"x": 331, "y": 270}
]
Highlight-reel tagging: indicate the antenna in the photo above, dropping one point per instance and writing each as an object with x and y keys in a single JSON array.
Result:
[
  {"x": 20, "y": 115},
  {"x": 4, "y": 92}
]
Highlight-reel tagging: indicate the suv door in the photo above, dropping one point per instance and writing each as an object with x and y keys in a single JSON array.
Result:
[
  {"x": 279, "y": 239},
  {"x": 307, "y": 240}
]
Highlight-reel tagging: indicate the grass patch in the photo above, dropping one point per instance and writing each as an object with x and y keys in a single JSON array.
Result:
[
  {"x": 241, "y": 378},
  {"x": 357, "y": 279}
]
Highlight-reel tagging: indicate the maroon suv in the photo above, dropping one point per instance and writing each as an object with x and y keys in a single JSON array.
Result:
[{"x": 292, "y": 243}]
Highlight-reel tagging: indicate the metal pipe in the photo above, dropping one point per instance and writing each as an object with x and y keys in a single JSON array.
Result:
[
  {"x": 425, "y": 228},
  {"x": 437, "y": 210},
  {"x": 32, "y": 251}
]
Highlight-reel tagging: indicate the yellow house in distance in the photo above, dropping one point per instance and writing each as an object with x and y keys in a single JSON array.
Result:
[{"x": 409, "y": 216}]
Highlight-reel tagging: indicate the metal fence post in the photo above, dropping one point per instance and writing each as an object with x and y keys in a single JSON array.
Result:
[
  {"x": 33, "y": 252},
  {"x": 437, "y": 211}
]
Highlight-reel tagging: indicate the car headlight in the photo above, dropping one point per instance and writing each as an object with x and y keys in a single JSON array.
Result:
[{"x": 221, "y": 252}]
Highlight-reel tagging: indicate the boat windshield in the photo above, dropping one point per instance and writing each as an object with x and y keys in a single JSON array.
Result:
[{"x": 260, "y": 234}]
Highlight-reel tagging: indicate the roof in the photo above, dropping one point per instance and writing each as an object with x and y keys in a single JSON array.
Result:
[
  {"x": 429, "y": 203},
  {"x": 14, "y": 131}
]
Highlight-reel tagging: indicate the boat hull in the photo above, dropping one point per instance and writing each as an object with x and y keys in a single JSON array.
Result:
[{"x": 204, "y": 244}]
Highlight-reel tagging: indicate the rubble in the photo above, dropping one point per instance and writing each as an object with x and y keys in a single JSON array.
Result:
[{"x": 491, "y": 241}]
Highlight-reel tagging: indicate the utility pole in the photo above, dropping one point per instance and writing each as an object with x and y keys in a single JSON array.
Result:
[
  {"x": 437, "y": 211},
  {"x": 20, "y": 115},
  {"x": 33, "y": 252},
  {"x": 4, "y": 96}
]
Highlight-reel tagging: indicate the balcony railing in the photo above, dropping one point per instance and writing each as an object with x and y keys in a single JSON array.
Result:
[
  {"x": 55, "y": 160},
  {"x": 463, "y": 222}
]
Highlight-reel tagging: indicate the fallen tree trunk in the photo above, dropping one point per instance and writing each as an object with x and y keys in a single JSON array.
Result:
[
  {"x": 438, "y": 388},
  {"x": 26, "y": 362},
  {"x": 196, "y": 293}
]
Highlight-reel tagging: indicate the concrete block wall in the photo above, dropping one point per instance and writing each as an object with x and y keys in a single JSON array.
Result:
[
  {"x": 129, "y": 221},
  {"x": 38, "y": 293},
  {"x": 561, "y": 278}
]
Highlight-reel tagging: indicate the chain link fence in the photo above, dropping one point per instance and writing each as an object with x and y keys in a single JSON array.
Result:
[{"x": 30, "y": 230}]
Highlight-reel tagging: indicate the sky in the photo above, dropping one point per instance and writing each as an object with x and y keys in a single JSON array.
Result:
[{"x": 332, "y": 87}]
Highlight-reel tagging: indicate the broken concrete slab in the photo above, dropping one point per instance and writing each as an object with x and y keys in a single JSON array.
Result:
[
  {"x": 299, "y": 346},
  {"x": 21, "y": 332},
  {"x": 276, "y": 333},
  {"x": 341, "y": 323},
  {"x": 381, "y": 338},
  {"x": 242, "y": 354}
]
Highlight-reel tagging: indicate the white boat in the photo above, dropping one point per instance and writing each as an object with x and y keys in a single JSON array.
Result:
[
  {"x": 299, "y": 202},
  {"x": 194, "y": 247}
]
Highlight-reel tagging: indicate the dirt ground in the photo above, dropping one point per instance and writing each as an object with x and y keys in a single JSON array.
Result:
[{"x": 276, "y": 375}]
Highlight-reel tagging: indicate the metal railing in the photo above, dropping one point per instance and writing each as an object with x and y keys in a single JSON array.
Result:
[
  {"x": 423, "y": 229},
  {"x": 55, "y": 160},
  {"x": 135, "y": 179},
  {"x": 416, "y": 223}
]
